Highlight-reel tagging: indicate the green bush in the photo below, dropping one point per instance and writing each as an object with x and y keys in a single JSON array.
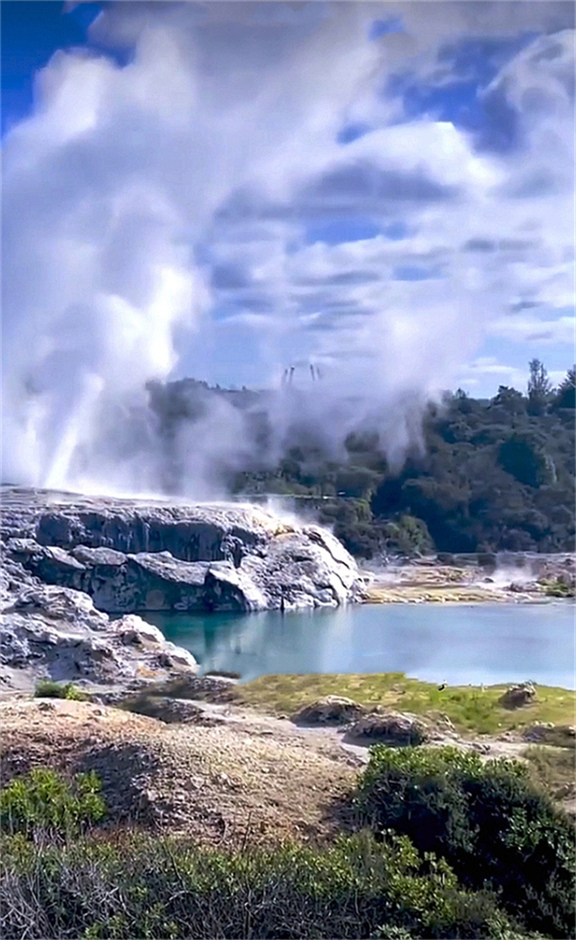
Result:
[
  {"x": 486, "y": 819},
  {"x": 157, "y": 888},
  {"x": 43, "y": 803},
  {"x": 558, "y": 588},
  {"x": 47, "y": 688},
  {"x": 407, "y": 534}
]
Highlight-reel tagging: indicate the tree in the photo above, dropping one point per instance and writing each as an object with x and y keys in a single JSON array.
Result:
[
  {"x": 539, "y": 388},
  {"x": 524, "y": 458},
  {"x": 566, "y": 392},
  {"x": 462, "y": 401},
  {"x": 510, "y": 400}
]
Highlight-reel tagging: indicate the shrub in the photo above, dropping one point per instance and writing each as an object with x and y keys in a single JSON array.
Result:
[
  {"x": 557, "y": 587},
  {"x": 486, "y": 819},
  {"x": 43, "y": 803},
  {"x": 160, "y": 888},
  {"x": 47, "y": 688}
]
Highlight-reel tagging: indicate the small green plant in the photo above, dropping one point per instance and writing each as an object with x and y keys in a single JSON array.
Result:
[
  {"x": 47, "y": 688},
  {"x": 557, "y": 587},
  {"x": 74, "y": 694},
  {"x": 44, "y": 802}
]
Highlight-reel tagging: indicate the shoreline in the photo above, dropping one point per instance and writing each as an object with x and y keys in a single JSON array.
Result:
[{"x": 427, "y": 581}]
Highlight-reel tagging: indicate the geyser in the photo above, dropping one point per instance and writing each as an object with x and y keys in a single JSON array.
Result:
[{"x": 189, "y": 197}]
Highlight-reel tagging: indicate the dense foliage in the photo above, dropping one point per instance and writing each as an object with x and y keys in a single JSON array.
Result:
[
  {"x": 161, "y": 888},
  {"x": 119, "y": 884},
  {"x": 43, "y": 803},
  {"x": 489, "y": 476},
  {"x": 486, "y": 819},
  {"x": 482, "y": 476}
]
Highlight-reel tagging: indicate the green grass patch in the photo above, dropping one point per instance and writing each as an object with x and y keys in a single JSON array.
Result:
[
  {"x": 557, "y": 587},
  {"x": 470, "y": 709}
]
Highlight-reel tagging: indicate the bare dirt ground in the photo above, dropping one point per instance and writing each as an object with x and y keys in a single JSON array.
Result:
[
  {"x": 223, "y": 782},
  {"x": 232, "y": 776}
]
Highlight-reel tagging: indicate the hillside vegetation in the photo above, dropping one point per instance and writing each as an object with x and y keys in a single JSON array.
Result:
[
  {"x": 492, "y": 475},
  {"x": 486, "y": 475}
]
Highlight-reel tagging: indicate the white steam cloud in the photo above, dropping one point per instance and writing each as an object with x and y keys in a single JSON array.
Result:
[{"x": 173, "y": 204}]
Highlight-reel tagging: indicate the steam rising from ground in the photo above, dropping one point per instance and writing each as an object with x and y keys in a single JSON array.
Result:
[{"x": 159, "y": 214}]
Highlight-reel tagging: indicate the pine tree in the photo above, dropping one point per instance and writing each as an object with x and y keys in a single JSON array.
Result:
[
  {"x": 539, "y": 388},
  {"x": 566, "y": 392}
]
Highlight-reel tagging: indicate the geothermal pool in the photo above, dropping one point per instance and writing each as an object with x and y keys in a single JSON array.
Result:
[{"x": 461, "y": 644}]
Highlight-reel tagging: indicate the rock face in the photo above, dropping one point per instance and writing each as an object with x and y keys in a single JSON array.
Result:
[
  {"x": 68, "y": 561},
  {"x": 131, "y": 556}
]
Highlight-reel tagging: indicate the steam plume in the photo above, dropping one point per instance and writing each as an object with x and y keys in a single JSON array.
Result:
[{"x": 159, "y": 221}]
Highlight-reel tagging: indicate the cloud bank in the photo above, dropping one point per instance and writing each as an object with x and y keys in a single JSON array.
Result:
[{"x": 226, "y": 190}]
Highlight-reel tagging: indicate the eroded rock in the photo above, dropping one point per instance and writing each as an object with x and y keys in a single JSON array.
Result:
[
  {"x": 332, "y": 709},
  {"x": 71, "y": 560},
  {"x": 518, "y": 696},
  {"x": 49, "y": 631},
  {"x": 131, "y": 556},
  {"x": 393, "y": 728}
]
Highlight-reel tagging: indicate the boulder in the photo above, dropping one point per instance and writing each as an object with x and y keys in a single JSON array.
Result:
[
  {"x": 133, "y": 630},
  {"x": 548, "y": 733},
  {"x": 523, "y": 587},
  {"x": 175, "y": 657},
  {"x": 332, "y": 709},
  {"x": 517, "y": 696},
  {"x": 392, "y": 728}
]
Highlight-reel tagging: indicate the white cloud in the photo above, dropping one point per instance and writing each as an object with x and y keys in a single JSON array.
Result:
[
  {"x": 532, "y": 329},
  {"x": 484, "y": 374},
  {"x": 154, "y": 208}
]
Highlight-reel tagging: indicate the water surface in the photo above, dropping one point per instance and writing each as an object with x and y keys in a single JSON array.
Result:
[{"x": 460, "y": 643}]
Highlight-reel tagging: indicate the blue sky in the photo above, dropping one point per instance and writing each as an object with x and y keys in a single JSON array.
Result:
[
  {"x": 31, "y": 33},
  {"x": 385, "y": 189}
]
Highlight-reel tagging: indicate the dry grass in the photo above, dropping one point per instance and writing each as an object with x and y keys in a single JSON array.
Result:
[{"x": 553, "y": 768}]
